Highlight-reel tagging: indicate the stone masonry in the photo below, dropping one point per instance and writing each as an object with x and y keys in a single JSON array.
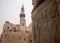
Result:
[{"x": 45, "y": 21}]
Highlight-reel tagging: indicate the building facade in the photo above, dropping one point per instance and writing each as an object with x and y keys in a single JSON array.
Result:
[
  {"x": 46, "y": 21},
  {"x": 14, "y": 33}
]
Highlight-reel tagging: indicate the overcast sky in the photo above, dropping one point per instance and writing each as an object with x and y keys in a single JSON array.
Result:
[{"x": 10, "y": 10}]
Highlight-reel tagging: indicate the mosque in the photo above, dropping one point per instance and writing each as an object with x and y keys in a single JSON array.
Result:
[
  {"x": 45, "y": 26},
  {"x": 14, "y": 33}
]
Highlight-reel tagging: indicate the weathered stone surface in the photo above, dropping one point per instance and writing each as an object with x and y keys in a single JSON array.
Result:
[
  {"x": 58, "y": 2},
  {"x": 45, "y": 22}
]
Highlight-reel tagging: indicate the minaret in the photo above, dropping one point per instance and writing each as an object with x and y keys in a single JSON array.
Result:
[{"x": 22, "y": 18}]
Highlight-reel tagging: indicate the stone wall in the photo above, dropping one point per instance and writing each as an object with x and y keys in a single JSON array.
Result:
[
  {"x": 13, "y": 34},
  {"x": 45, "y": 22},
  {"x": 58, "y": 30}
]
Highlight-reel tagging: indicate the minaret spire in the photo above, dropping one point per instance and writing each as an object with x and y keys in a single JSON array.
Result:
[{"x": 22, "y": 11}]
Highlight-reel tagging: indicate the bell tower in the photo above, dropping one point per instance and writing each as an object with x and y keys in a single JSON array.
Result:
[{"x": 22, "y": 17}]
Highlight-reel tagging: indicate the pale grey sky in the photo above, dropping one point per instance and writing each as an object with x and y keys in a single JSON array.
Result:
[{"x": 10, "y": 10}]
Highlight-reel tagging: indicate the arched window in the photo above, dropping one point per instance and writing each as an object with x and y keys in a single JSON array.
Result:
[
  {"x": 30, "y": 41},
  {"x": 8, "y": 27},
  {"x": 22, "y": 24},
  {"x": 24, "y": 39}
]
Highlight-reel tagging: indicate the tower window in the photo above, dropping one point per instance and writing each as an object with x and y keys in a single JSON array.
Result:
[
  {"x": 30, "y": 41},
  {"x": 22, "y": 24},
  {"x": 24, "y": 39},
  {"x": 8, "y": 27}
]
